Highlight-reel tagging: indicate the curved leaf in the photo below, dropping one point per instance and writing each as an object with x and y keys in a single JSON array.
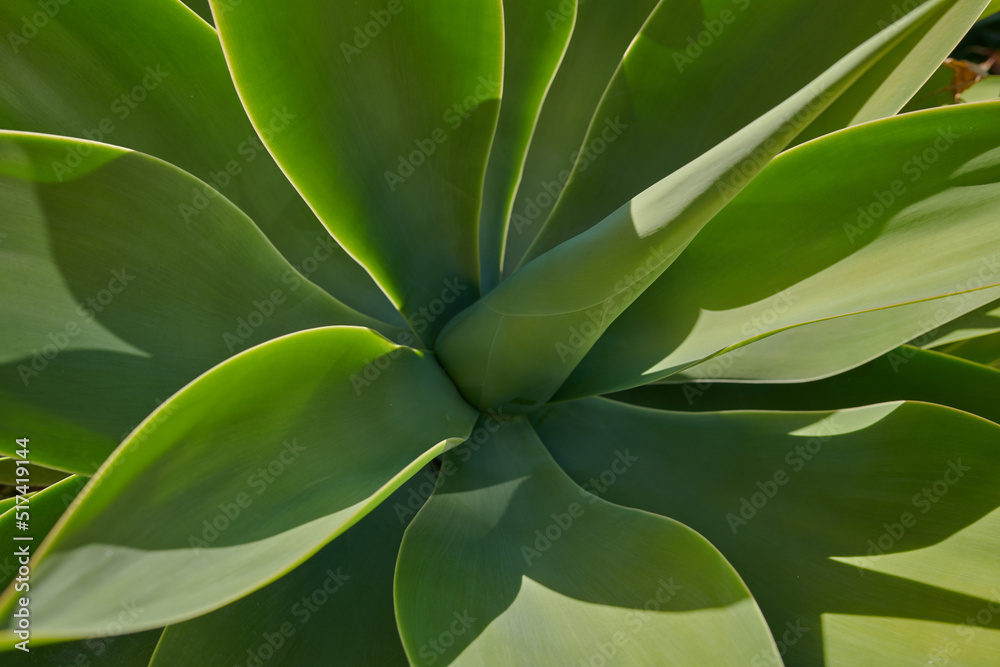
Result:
[
  {"x": 679, "y": 86},
  {"x": 536, "y": 35},
  {"x": 151, "y": 76},
  {"x": 517, "y": 345},
  {"x": 39, "y": 514},
  {"x": 137, "y": 300},
  {"x": 602, "y": 32},
  {"x": 326, "y": 423},
  {"x": 395, "y": 104},
  {"x": 105, "y": 650},
  {"x": 868, "y": 536},
  {"x": 39, "y": 475},
  {"x": 820, "y": 235},
  {"x": 982, "y": 321},
  {"x": 336, "y": 608},
  {"x": 906, "y": 373},
  {"x": 509, "y": 562},
  {"x": 982, "y": 350}
]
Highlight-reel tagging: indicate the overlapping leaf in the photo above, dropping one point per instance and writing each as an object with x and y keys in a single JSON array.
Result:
[
  {"x": 336, "y": 608},
  {"x": 325, "y": 424},
  {"x": 509, "y": 562},
  {"x": 151, "y": 76},
  {"x": 396, "y": 106},
  {"x": 516, "y": 345},
  {"x": 536, "y": 35},
  {"x": 684, "y": 86},
  {"x": 137, "y": 300},
  {"x": 868, "y": 536},
  {"x": 906, "y": 373},
  {"x": 895, "y": 215}
]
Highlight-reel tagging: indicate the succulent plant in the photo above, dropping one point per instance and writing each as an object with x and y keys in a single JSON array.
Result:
[{"x": 495, "y": 332}]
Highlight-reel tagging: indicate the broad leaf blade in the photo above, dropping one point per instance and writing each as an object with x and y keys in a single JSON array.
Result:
[
  {"x": 137, "y": 301},
  {"x": 906, "y": 373},
  {"x": 813, "y": 242},
  {"x": 336, "y": 608},
  {"x": 151, "y": 76},
  {"x": 396, "y": 105},
  {"x": 809, "y": 508},
  {"x": 536, "y": 35},
  {"x": 241, "y": 476},
  {"x": 509, "y": 562},
  {"x": 680, "y": 90},
  {"x": 602, "y": 32},
  {"x": 517, "y": 345}
]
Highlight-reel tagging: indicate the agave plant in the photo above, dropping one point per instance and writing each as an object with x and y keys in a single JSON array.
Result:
[{"x": 497, "y": 333}]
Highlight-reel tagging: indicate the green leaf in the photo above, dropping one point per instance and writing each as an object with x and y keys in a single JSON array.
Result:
[
  {"x": 37, "y": 475},
  {"x": 986, "y": 90},
  {"x": 6, "y": 504},
  {"x": 396, "y": 104},
  {"x": 517, "y": 345},
  {"x": 992, "y": 8},
  {"x": 137, "y": 301},
  {"x": 334, "y": 609},
  {"x": 906, "y": 373},
  {"x": 854, "y": 244},
  {"x": 536, "y": 35},
  {"x": 982, "y": 321},
  {"x": 242, "y": 476},
  {"x": 201, "y": 8},
  {"x": 33, "y": 519},
  {"x": 151, "y": 76},
  {"x": 99, "y": 651},
  {"x": 510, "y": 562},
  {"x": 683, "y": 85},
  {"x": 868, "y": 536},
  {"x": 936, "y": 92},
  {"x": 602, "y": 33},
  {"x": 982, "y": 350}
]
